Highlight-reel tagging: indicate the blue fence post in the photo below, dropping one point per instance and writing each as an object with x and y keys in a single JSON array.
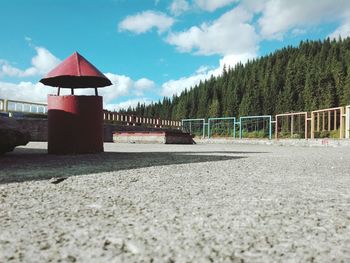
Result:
[
  {"x": 240, "y": 127},
  {"x": 209, "y": 128}
]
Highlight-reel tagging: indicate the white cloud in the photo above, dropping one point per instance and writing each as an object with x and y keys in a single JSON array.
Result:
[
  {"x": 45, "y": 61},
  {"x": 175, "y": 87},
  {"x": 230, "y": 34},
  {"x": 255, "y": 6},
  {"x": 7, "y": 70},
  {"x": 172, "y": 87},
  {"x": 37, "y": 92},
  {"x": 42, "y": 63},
  {"x": 146, "y": 21},
  {"x": 212, "y": 5},
  {"x": 28, "y": 39},
  {"x": 144, "y": 84},
  {"x": 202, "y": 69},
  {"x": 279, "y": 16},
  {"x": 128, "y": 103},
  {"x": 298, "y": 31},
  {"x": 232, "y": 60},
  {"x": 121, "y": 86},
  {"x": 342, "y": 31},
  {"x": 178, "y": 7},
  {"x": 26, "y": 91}
]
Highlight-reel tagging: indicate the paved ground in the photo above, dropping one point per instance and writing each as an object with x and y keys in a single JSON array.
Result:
[{"x": 173, "y": 203}]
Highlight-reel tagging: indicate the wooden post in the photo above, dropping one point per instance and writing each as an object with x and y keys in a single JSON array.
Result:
[
  {"x": 276, "y": 128},
  {"x": 341, "y": 134},
  {"x": 6, "y": 105},
  {"x": 306, "y": 128},
  {"x": 312, "y": 125},
  {"x": 323, "y": 121},
  {"x": 335, "y": 120},
  {"x": 318, "y": 122},
  {"x": 347, "y": 121},
  {"x": 291, "y": 125},
  {"x": 329, "y": 120}
]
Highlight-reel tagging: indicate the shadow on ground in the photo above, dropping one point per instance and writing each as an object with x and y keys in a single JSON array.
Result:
[{"x": 35, "y": 164}]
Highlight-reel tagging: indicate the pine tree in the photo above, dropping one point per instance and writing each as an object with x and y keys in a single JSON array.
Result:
[
  {"x": 346, "y": 93},
  {"x": 309, "y": 92},
  {"x": 314, "y": 75},
  {"x": 214, "y": 109}
]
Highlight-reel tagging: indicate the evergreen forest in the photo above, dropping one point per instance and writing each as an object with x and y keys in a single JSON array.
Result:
[{"x": 314, "y": 75}]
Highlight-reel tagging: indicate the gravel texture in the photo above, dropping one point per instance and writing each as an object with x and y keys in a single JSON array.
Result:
[{"x": 176, "y": 203}]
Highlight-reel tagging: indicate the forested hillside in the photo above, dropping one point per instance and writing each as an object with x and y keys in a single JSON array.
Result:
[{"x": 312, "y": 76}]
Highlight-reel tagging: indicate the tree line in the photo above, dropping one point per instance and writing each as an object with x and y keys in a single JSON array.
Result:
[{"x": 314, "y": 75}]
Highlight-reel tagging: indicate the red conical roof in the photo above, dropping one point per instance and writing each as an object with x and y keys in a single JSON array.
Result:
[{"x": 76, "y": 72}]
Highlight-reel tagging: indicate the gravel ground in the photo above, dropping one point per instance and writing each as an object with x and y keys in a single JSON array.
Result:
[{"x": 176, "y": 203}]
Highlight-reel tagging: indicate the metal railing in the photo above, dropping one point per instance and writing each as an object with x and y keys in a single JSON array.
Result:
[
  {"x": 17, "y": 106},
  {"x": 2, "y": 105},
  {"x": 259, "y": 117},
  {"x": 198, "y": 128},
  {"x": 231, "y": 120}
]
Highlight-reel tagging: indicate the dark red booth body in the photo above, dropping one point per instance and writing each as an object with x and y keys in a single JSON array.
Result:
[{"x": 75, "y": 124}]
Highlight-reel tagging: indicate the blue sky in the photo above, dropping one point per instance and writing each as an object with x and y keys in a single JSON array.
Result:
[{"x": 151, "y": 48}]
